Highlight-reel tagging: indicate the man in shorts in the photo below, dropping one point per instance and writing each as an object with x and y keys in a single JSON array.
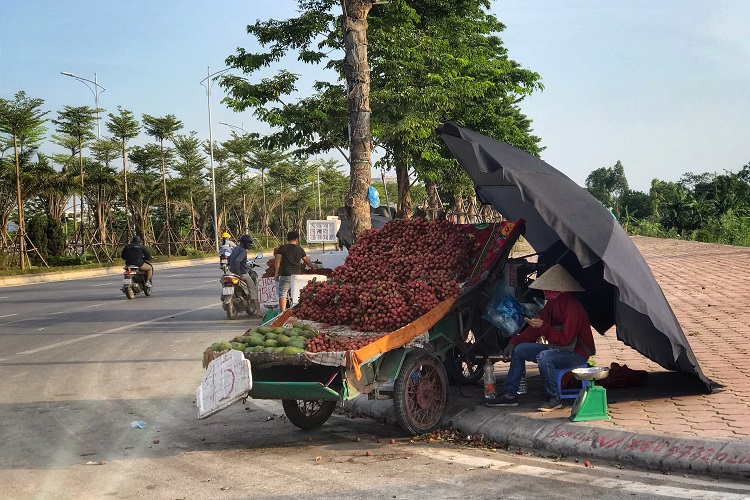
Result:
[{"x": 288, "y": 261}]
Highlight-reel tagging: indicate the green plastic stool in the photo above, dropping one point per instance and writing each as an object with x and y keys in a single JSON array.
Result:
[
  {"x": 270, "y": 314},
  {"x": 591, "y": 404}
]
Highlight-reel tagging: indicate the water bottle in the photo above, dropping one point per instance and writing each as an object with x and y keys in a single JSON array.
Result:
[
  {"x": 522, "y": 384},
  {"x": 490, "y": 391}
]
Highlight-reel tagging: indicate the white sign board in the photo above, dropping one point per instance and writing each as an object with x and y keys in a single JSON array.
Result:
[
  {"x": 227, "y": 380},
  {"x": 267, "y": 293},
  {"x": 321, "y": 231}
]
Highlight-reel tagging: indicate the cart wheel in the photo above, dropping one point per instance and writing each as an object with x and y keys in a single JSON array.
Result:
[
  {"x": 420, "y": 393},
  {"x": 308, "y": 414},
  {"x": 466, "y": 370}
]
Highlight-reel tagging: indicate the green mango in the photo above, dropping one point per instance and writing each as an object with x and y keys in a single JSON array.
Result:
[
  {"x": 269, "y": 349},
  {"x": 279, "y": 350},
  {"x": 264, "y": 329},
  {"x": 255, "y": 340},
  {"x": 282, "y": 339},
  {"x": 238, "y": 346},
  {"x": 270, "y": 343},
  {"x": 271, "y": 336},
  {"x": 310, "y": 334},
  {"x": 292, "y": 350},
  {"x": 279, "y": 330},
  {"x": 299, "y": 345},
  {"x": 239, "y": 338},
  {"x": 224, "y": 346},
  {"x": 216, "y": 346}
]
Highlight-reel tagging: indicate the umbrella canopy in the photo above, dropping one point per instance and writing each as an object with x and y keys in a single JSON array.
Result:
[{"x": 565, "y": 224}]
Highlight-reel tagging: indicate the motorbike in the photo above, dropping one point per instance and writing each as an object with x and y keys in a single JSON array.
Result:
[
  {"x": 134, "y": 282},
  {"x": 234, "y": 293},
  {"x": 224, "y": 260}
]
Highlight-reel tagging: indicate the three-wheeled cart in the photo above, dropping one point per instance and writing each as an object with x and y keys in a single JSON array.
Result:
[{"x": 411, "y": 365}]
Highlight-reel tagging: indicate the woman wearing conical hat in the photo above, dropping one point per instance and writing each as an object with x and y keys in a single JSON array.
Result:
[{"x": 563, "y": 322}]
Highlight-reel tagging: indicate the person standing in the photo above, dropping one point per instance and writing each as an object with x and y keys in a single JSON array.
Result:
[
  {"x": 238, "y": 265},
  {"x": 564, "y": 324},
  {"x": 135, "y": 254},
  {"x": 288, "y": 261}
]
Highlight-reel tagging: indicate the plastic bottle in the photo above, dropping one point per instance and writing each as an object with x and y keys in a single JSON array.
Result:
[
  {"x": 490, "y": 391},
  {"x": 522, "y": 384}
]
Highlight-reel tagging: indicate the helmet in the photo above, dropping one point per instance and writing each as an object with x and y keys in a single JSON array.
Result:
[
  {"x": 136, "y": 239},
  {"x": 246, "y": 240},
  {"x": 225, "y": 235}
]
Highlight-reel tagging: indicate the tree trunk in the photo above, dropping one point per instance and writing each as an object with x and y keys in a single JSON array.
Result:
[
  {"x": 125, "y": 185},
  {"x": 167, "y": 226},
  {"x": 434, "y": 204},
  {"x": 404, "y": 205},
  {"x": 458, "y": 209},
  {"x": 358, "y": 86},
  {"x": 21, "y": 232}
]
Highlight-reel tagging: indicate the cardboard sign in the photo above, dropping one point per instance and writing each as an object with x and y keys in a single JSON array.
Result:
[
  {"x": 267, "y": 293},
  {"x": 228, "y": 379}
]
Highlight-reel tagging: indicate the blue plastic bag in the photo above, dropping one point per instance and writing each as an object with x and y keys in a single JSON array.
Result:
[
  {"x": 373, "y": 196},
  {"x": 506, "y": 313}
]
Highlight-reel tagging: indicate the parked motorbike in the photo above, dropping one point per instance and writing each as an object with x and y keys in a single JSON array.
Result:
[
  {"x": 134, "y": 282},
  {"x": 235, "y": 296}
]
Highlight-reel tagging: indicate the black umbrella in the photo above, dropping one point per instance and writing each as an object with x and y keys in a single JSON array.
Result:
[{"x": 566, "y": 224}]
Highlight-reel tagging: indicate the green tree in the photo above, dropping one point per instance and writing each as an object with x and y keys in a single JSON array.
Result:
[
  {"x": 78, "y": 124},
  {"x": 22, "y": 119},
  {"x": 608, "y": 184},
  {"x": 124, "y": 127},
  {"x": 319, "y": 29},
  {"x": 145, "y": 186},
  {"x": 161, "y": 128},
  {"x": 190, "y": 163},
  {"x": 239, "y": 148}
]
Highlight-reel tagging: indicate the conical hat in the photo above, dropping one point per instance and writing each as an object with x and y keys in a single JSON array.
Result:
[{"x": 556, "y": 279}]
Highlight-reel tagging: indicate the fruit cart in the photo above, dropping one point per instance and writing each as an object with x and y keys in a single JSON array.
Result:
[{"x": 410, "y": 365}]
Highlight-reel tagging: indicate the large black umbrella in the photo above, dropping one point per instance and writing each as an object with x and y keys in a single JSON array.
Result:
[{"x": 566, "y": 224}]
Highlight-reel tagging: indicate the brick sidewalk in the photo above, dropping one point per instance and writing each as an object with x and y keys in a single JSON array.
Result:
[{"x": 708, "y": 288}]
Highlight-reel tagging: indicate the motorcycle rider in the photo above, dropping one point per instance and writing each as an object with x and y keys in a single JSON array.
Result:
[
  {"x": 238, "y": 265},
  {"x": 226, "y": 244},
  {"x": 136, "y": 254}
]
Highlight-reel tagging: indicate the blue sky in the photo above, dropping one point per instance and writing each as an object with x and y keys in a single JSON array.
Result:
[{"x": 664, "y": 86}]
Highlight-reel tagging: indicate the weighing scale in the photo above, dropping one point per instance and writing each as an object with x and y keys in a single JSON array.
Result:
[{"x": 591, "y": 403}]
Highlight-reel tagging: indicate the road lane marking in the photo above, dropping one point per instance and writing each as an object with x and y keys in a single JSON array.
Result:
[
  {"x": 78, "y": 308},
  {"x": 113, "y": 330},
  {"x": 8, "y": 315},
  {"x": 4, "y": 297},
  {"x": 568, "y": 476},
  {"x": 173, "y": 275},
  {"x": 105, "y": 284},
  {"x": 191, "y": 288}
]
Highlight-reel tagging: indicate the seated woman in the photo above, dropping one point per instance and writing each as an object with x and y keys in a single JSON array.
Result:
[{"x": 563, "y": 322}]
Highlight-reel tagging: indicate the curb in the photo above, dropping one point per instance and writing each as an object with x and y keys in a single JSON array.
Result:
[
  {"x": 88, "y": 273},
  {"x": 662, "y": 453}
]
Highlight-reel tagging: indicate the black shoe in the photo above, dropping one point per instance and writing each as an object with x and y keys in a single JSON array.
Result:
[
  {"x": 550, "y": 404},
  {"x": 504, "y": 400}
]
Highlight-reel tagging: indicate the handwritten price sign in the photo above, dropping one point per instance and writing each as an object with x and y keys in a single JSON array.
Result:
[
  {"x": 226, "y": 381},
  {"x": 267, "y": 293}
]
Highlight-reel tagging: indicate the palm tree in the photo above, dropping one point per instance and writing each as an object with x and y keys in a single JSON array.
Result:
[
  {"x": 21, "y": 119},
  {"x": 161, "y": 128},
  {"x": 124, "y": 127},
  {"x": 78, "y": 123}
]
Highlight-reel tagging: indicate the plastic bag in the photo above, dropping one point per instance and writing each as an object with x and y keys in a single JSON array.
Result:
[
  {"x": 373, "y": 196},
  {"x": 506, "y": 313}
]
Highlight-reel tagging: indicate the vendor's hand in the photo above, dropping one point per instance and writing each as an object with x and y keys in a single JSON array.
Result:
[
  {"x": 534, "y": 322},
  {"x": 508, "y": 352}
]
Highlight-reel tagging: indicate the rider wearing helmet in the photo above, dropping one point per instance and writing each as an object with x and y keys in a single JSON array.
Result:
[
  {"x": 226, "y": 244},
  {"x": 238, "y": 265},
  {"x": 136, "y": 254}
]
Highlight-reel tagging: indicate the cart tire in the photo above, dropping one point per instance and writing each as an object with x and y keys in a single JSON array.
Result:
[
  {"x": 420, "y": 393},
  {"x": 308, "y": 414},
  {"x": 231, "y": 310}
]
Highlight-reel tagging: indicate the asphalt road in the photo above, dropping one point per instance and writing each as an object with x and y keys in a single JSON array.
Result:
[{"x": 79, "y": 362}]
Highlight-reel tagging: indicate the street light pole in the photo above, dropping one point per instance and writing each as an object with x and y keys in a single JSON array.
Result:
[
  {"x": 208, "y": 85},
  {"x": 97, "y": 90}
]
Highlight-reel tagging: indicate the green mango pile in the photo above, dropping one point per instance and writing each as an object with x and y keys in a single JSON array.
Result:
[{"x": 279, "y": 340}]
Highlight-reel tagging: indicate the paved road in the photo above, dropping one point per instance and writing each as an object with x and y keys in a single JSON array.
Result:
[{"x": 79, "y": 363}]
